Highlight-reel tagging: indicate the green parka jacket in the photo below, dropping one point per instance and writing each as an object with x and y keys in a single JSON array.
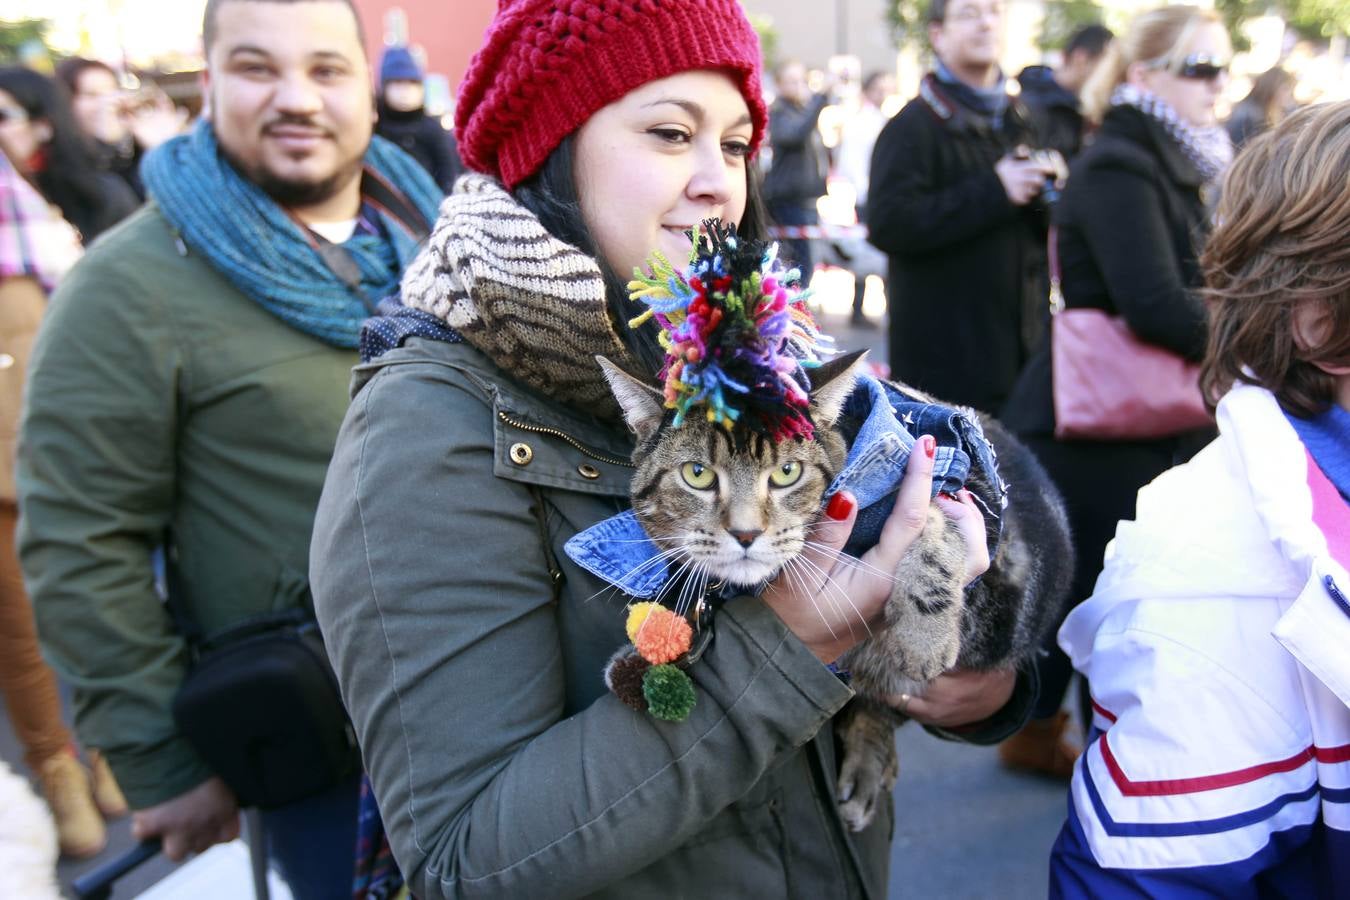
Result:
[
  {"x": 164, "y": 405},
  {"x": 470, "y": 651}
]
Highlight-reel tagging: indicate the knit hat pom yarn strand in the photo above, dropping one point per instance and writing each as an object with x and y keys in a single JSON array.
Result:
[{"x": 546, "y": 66}]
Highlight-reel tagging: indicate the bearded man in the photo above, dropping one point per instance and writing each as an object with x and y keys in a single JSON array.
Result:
[{"x": 185, "y": 395}]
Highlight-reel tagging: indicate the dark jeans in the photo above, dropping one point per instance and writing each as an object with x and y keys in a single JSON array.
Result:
[
  {"x": 796, "y": 252},
  {"x": 312, "y": 843}
]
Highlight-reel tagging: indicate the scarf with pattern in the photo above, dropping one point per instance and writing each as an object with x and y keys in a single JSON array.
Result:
[
  {"x": 536, "y": 306},
  {"x": 1209, "y": 149},
  {"x": 265, "y": 253}
]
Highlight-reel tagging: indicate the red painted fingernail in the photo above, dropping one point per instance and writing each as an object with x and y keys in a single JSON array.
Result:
[
  {"x": 840, "y": 507},
  {"x": 929, "y": 445},
  {"x": 946, "y": 496}
]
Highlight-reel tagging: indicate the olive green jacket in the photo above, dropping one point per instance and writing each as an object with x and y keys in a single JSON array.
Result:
[
  {"x": 164, "y": 405},
  {"x": 470, "y": 651}
]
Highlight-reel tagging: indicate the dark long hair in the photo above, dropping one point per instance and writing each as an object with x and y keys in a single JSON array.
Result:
[
  {"x": 70, "y": 177},
  {"x": 551, "y": 194}
]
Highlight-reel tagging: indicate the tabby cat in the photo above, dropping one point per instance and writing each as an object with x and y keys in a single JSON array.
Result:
[{"x": 738, "y": 508}]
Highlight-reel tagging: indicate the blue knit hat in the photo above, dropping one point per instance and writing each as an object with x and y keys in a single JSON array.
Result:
[{"x": 398, "y": 64}]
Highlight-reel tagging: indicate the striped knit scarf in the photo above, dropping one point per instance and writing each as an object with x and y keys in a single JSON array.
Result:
[
  {"x": 263, "y": 252},
  {"x": 1209, "y": 149},
  {"x": 536, "y": 306}
]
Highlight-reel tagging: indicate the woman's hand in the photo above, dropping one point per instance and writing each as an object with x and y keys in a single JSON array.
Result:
[
  {"x": 832, "y": 602},
  {"x": 959, "y": 697}
]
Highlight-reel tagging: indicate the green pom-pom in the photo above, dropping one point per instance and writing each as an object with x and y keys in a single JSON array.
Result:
[{"x": 669, "y": 693}]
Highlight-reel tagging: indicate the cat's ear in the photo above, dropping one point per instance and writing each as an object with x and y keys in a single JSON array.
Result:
[
  {"x": 831, "y": 385},
  {"x": 643, "y": 405}
]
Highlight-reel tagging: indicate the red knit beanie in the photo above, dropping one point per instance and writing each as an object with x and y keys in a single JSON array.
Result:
[{"x": 547, "y": 65}]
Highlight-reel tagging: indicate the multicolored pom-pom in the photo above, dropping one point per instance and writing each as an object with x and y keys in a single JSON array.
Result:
[
  {"x": 737, "y": 334},
  {"x": 660, "y": 635},
  {"x": 669, "y": 692},
  {"x": 660, "y": 638}
]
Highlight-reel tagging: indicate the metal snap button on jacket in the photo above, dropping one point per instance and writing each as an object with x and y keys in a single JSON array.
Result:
[
  {"x": 588, "y": 471},
  {"x": 521, "y": 454}
]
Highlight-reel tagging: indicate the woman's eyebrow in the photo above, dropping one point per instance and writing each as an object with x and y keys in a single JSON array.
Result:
[{"x": 695, "y": 110}]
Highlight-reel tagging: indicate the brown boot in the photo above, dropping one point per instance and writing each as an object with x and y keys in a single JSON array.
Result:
[
  {"x": 107, "y": 795},
  {"x": 66, "y": 788},
  {"x": 1040, "y": 748}
]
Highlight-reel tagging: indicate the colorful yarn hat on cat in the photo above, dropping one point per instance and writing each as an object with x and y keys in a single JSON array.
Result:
[
  {"x": 737, "y": 334},
  {"x": 547, "y": 65}
]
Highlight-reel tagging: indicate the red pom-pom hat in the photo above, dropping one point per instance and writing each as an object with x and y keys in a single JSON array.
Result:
[{"x": 547, "y": 65}]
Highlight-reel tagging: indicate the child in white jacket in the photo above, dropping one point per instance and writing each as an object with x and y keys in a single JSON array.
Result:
[{"x": 1217, "y": 642}]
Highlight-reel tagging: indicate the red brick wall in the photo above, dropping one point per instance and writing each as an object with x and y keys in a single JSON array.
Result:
[{"x": 449, "y": 30}]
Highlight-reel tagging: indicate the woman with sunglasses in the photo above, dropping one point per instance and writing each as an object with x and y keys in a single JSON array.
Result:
[
  {"x": 1129, "y": 226},
  {"x": 39, "y": 135}
]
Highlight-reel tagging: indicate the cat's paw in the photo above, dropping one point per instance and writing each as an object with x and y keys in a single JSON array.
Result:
[
  {"x": 927, "y": 653},
  {"x": 870, "y": 764},
  {"x": 865, "y": 780}
]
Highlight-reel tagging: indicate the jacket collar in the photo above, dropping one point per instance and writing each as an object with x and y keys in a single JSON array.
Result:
[
  {"x": 939, "y": 100},
  {"x": 1263, "y": 530},
  {"x": 1133, "y": 125}
]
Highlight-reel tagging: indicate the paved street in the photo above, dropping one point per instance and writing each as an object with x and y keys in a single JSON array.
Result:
[{"x": 965, "y": 829}]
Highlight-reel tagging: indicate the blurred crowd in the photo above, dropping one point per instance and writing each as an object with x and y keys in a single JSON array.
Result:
[{"x": 181, "y": 305}]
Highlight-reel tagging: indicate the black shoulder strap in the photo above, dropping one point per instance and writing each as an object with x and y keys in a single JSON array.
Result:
[{"x": 394, "y": 203}]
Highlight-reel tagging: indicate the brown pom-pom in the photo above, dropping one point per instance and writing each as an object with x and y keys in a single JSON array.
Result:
[{"x": 623, "y": 676}]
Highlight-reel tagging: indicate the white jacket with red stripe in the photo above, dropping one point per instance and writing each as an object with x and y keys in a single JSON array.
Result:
[{"x": 1217, "y": 646}]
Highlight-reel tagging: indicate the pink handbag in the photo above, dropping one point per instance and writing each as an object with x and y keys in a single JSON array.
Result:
[{"x": 1110, "y": 386}]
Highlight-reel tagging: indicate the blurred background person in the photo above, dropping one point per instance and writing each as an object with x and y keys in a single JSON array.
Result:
[
  {"x": 857, "y": 139},
  {"x": 1130, "y": 224},
  {"x": 1051, "y": 95},
  {"x": 37, "y": 248},
  {"x": 954, "y": 202},
  {"x": 41, "y": 139},
  {"x": 796, "y": 178},
  {"x": 1269, "y": 101},
  {"x": 403, "y": 118},
  {"x": 122, "y": 126}
]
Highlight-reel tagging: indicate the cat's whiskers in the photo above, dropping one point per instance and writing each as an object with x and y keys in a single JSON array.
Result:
[
  {"x": 791, "y": 571},
  {"x": 662, "y": 557},
  {"x": 850, "y": 560},
  {"x": 828, "y": 581}
]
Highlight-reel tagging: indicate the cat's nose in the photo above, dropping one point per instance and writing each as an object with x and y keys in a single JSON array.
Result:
[{"x": 744, "y": 538}]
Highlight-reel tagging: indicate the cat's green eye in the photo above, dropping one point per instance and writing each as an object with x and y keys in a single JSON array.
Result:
[
  {"x": 697, "y": 475},
  {"x": 786, "y": 474}
]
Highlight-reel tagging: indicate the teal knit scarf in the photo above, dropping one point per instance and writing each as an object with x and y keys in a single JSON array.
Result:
[{"x": 251, "y": 240}]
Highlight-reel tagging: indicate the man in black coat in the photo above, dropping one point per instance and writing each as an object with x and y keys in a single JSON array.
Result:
[
  {"x": 1051, "y": 95},
  {"x": 796, "y": 179},
  {"x": 403, "y": 119},
  {"x": 956, "y": 204}
]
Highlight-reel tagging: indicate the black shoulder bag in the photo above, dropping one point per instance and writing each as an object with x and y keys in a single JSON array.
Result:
[{"x": 260, "y": 705}]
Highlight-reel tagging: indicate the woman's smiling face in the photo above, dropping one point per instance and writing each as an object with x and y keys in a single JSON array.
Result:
[{"x": 658, "y": 161}]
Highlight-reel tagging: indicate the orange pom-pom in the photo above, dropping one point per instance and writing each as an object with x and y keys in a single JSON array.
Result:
[{"x": 663, "y": 637}]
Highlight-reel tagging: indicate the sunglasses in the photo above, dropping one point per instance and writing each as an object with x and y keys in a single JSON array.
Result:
[
  {"x": 1201, "y": 67},
  {"x": 12, "y": 114}
]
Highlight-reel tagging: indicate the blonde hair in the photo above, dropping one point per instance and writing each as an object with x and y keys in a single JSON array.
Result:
[{"x": 1158, "y": 35}]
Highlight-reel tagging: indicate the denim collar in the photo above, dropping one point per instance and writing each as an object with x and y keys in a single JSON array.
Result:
[{"x": 881, "y": 421}]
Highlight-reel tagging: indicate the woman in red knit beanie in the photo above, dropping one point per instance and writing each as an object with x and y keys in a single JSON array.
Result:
[{"x": 482, "y": 437}]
